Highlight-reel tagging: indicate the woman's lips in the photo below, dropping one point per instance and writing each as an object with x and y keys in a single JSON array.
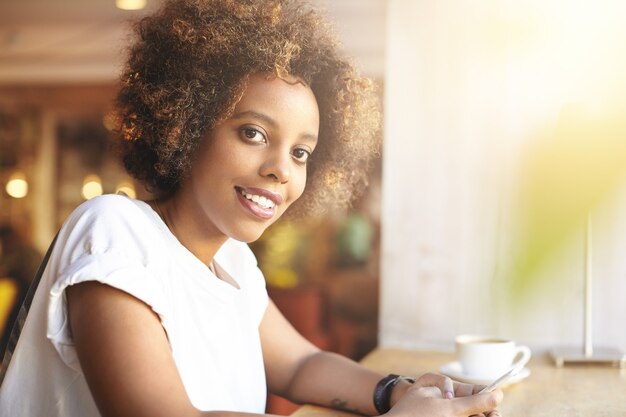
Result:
[
  {"x": 270, "y": 195},
  {"x": 264, "y": 213}
]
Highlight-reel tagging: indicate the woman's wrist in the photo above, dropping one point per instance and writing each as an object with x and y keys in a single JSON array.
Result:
[
  {"x": 399, "y": 390},
  {"x": 389, "y": 390}
]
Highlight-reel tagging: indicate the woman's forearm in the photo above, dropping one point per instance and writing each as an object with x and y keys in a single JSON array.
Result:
[{"x": 331, "y": 380}]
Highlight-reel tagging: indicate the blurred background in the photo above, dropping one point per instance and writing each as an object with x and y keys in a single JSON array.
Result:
[
  {"x": 505, "y": 129},
  {"x": 504, "y": 133}
]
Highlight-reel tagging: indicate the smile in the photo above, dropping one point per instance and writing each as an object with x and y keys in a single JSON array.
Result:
[
  {"x": 259, "y": 202},
  {"x": 264, "y": 202}
]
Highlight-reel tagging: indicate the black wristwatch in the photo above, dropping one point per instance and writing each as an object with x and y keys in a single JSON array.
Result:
[{"x": 382, "y": 392}]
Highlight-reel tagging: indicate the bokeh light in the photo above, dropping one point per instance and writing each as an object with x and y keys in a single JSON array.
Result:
[
  {"x": 126, "y": 187},
  {"x": 130, "y": 4},
  {"x": 92, "y": 186},
  {"x": 17, "y": 186}
]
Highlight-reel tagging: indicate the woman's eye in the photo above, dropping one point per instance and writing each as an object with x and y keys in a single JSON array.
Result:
[
  {"x": 252, "y": 135},
  {"x": 301, "y": 155}
]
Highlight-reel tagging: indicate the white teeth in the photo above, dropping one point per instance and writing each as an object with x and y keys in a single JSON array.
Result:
[{"x": 259, "y": 199}]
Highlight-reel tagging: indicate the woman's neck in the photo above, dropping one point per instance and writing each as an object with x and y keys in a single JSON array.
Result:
[{"x": 191, "y": 226}]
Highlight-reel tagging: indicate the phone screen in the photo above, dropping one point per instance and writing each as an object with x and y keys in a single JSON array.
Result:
[{"x": 503, "y": 379}]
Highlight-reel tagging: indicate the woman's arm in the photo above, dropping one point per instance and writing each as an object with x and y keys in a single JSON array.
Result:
[
  {"x": 302, "y": 373},
  {"x": 124, "y": 354}
]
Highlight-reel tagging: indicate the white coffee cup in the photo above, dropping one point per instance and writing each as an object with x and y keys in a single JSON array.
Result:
[{"x": 489, "y": 357}]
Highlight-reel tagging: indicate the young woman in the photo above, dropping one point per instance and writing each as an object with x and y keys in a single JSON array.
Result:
[{"x": 229, "y": 111}]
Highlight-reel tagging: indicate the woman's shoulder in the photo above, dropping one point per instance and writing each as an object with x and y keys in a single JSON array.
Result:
[
  {"x": 108, "y": 205},
  {"x": 108, "y": 209},
  {"x": 109, "y": 220}
]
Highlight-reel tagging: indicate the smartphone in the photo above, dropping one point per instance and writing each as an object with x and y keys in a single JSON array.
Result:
[{"x": 502, "y": 380}]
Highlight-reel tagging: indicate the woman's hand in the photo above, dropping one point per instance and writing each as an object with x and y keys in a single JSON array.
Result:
[
  {"x": 429, "y": 402},
  {"x": 438, "y": 395}
]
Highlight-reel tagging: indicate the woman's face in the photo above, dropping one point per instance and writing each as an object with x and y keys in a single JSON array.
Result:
[{"x": 253, "y": 166}]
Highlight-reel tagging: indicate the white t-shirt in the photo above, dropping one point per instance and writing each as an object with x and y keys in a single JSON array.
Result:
[{"x": 212, "y": 327}]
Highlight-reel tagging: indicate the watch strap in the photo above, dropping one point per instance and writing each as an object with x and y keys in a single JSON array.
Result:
[{"x": 382, "y": 392}]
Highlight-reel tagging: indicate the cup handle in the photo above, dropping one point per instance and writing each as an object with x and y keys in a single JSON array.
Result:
[{"x": 523, "y": 352}]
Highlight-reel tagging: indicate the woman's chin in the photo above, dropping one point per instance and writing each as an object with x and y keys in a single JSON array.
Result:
[{"x": 247, "y": 236}]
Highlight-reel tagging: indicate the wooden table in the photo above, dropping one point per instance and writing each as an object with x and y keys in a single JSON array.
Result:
[{"x": 572, "y": 391}]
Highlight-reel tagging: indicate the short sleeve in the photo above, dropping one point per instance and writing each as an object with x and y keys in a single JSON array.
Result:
[{"x": 108, "y": 241}]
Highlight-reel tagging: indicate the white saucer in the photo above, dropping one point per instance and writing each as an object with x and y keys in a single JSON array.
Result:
[{"x": 454, "y": 371}]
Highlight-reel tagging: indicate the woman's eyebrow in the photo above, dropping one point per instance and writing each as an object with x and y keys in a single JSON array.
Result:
[
  {"x": 256, "y": 115},
  {"x": 309, "y": 138},
  {"x": 265, "y": 118}
]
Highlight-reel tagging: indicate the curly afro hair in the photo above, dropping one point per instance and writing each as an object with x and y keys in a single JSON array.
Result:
[{"x": 189, "y": 66}]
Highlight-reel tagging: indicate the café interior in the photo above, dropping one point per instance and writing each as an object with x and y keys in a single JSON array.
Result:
[{"x": 497, "y": 206}]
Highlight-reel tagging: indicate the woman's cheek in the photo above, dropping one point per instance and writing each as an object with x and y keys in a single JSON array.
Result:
[{"x": 300, "y": 189}]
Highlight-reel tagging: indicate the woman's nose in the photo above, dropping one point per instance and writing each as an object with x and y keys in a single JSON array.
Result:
[{"x": 277, "y": 166}]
